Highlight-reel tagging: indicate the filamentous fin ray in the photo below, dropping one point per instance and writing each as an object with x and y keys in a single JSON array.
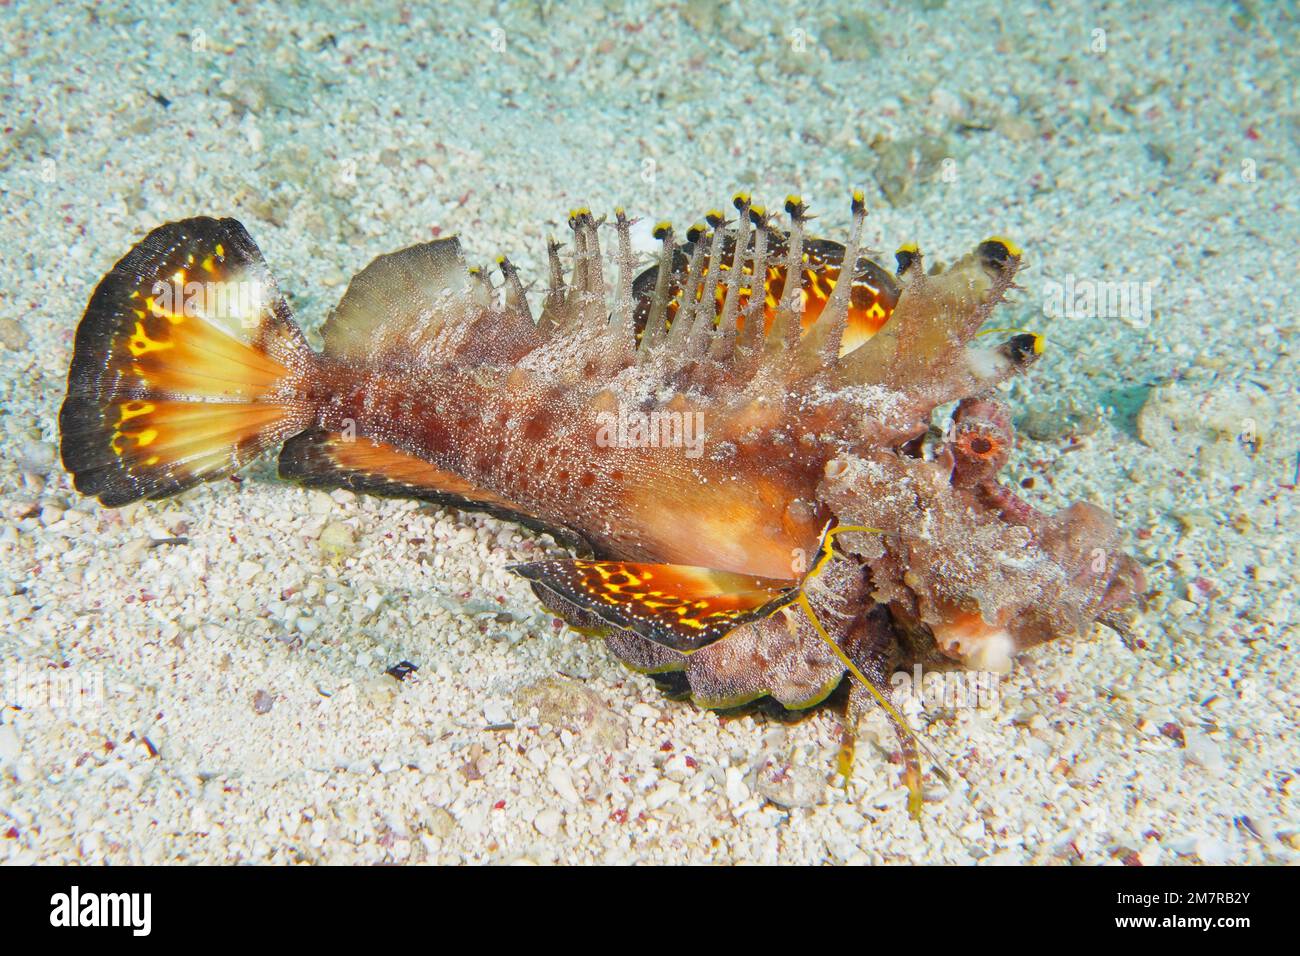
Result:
[
  {"x": 786, "y": 326},
  {"x": 623, "y": 319},
  {"x": 553, "y": 306},
  {"x": 704, "y": 317},
  {"x": 680, "y": 327},
  {"x": 656, "y": 322},
  {"x": 724, "y": 345},
  {"x": 822, "y": 342},
  {"x": 751, "y": 335}
]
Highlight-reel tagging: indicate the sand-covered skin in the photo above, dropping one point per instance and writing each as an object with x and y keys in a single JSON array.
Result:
[{"x": 237, "y": 706}]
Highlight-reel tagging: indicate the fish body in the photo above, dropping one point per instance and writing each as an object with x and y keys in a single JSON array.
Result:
[
  {"x": 635, "y": 478},
  {"x": 442, "y": 388},
  {"x": 684, "y": 429}
]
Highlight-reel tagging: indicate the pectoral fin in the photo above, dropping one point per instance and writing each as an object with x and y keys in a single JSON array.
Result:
[{"x": 679, "y": 606}]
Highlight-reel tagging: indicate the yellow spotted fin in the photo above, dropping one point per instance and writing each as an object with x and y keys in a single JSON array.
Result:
[{"x": 187, "y": 364}]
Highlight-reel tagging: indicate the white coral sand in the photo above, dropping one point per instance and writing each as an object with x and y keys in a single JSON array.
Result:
[{"x": 224, "y": 698}]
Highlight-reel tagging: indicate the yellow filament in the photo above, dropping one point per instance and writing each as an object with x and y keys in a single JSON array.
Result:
[{"x": 824, "y": 557}]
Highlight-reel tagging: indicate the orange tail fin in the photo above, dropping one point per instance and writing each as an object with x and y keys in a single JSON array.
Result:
[{"x": 187, "y": 365}]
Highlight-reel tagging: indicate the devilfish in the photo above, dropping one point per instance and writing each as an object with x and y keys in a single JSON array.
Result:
[{"x": 726, "y": 447}]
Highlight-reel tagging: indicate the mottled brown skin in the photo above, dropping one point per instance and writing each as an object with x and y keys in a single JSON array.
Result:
[{"x": 748, "y": 507}]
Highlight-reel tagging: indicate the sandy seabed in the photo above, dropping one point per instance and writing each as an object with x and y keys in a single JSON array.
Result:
[{"x": 225, "y": 699}]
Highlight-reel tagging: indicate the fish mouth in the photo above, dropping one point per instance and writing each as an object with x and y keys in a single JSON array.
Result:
[{"x": 977, "y": 645}]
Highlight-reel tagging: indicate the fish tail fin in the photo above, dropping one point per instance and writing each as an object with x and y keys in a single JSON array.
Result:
[{"x": 187, "y": 365}]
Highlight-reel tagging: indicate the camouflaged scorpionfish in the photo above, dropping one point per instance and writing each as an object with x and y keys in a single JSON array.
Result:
[{"x": 693, "y": 432}]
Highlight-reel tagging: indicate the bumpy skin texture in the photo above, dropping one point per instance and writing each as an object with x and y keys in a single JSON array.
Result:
[
  {"x": 970, "y": 574},
  {"x": 1019, "y": 577},
  {"x": 435, "y": 384}
]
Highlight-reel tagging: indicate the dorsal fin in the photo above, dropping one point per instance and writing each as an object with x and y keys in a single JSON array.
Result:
[{"x": 398, "y": 299}]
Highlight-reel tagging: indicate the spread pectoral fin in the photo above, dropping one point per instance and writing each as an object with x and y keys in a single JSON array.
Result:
[{"x": 679, "y": 606}]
